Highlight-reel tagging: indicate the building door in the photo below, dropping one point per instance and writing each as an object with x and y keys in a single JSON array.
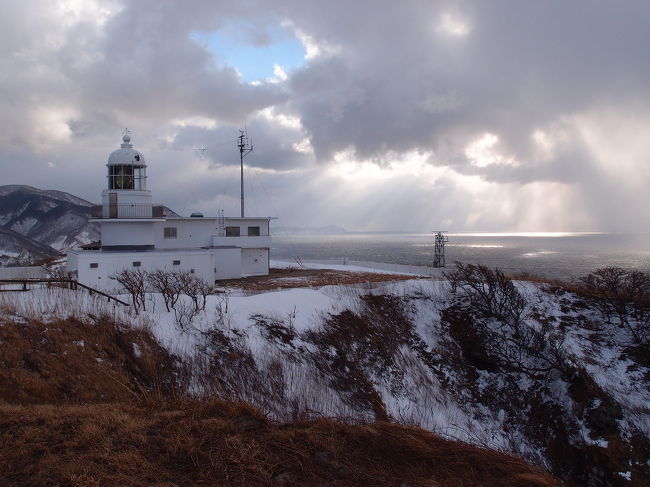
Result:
[{"x": 112, "y": 205}]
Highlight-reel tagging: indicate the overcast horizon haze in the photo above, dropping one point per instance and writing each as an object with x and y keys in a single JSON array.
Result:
[{"x": 499, "y": 116}]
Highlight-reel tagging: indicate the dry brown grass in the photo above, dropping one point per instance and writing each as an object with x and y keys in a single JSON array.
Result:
[
  {"x": 75, "y": 361},
  {"x": 218, "y": 443},
  {"x": 293, "y": 278}
]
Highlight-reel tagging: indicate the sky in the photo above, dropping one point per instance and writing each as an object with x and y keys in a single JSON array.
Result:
[{"x": 372, "y": 115}]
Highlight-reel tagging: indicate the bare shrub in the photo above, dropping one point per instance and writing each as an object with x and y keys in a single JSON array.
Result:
[
  {"x": 134, "y": 282},
  {"x": 221, "y": 309},
  {"x": 275, "y": 330},
  {"x": 624, "y": 293},
  {"x": 489, "y": 322},
  {"x": 196, "y": 288},
  {"x": 166, "y": 283},
  {"x": 204, "y": 289},
  {"x": 490, "y": 291},
  {"x": 184, "y": 314}
]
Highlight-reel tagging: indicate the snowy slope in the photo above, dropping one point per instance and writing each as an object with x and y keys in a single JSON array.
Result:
[{"x": 395, "y": 352}]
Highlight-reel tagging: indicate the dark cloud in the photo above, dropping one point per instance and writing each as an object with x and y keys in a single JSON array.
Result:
[
  {"x": 394, "y": 82},
  {"x": 399, "y": 83}
]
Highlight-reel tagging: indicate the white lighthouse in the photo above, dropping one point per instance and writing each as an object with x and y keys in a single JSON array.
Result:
[
  {"x": 127, "y": 182},
  {"x": 137, "y": 234},
  {"x": 127, "y": 221}
]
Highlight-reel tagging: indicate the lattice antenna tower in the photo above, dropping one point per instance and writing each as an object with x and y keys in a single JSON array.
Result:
[
  {"x": 245, "y": 148},
  {"x": 439, "y": 248},
  {"x": 201, "y": 151}
]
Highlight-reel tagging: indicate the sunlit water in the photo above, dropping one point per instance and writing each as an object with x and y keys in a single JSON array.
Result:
[{"x": 560, "y": 255}]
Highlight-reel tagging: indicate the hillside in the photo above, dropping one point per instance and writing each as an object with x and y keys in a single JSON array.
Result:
[
  {"x": 51, "y": 218},
  {"x": 93, "y": 402},
  {"x": 556, "y": 375},
  {"x": 16, "y": 248},
  {"x": 230, "y": 444}
]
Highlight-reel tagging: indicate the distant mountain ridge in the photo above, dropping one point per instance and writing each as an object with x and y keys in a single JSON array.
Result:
[
  {"x": 18, "y": 249},
  {"x": 291, "y": 230},
  {"x": 38, "y": 223},
  {"x": 50, "y": 193}
]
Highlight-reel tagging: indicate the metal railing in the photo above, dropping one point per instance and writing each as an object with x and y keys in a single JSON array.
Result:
[{"x": 69, "y": 283}]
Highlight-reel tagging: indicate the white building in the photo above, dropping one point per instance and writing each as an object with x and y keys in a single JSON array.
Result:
[{"x": 135, "y": 234}]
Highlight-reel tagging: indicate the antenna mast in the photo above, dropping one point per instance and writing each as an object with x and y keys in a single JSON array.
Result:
[
  {"x": 201, "y": 151},
  {"x": 244, "y": 149}
]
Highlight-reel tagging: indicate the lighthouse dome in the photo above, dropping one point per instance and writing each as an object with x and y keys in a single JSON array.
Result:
[{"x": 126, "y": 154}]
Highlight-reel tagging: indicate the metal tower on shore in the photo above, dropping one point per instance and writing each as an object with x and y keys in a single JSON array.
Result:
[{"x": 439, "y": 248}]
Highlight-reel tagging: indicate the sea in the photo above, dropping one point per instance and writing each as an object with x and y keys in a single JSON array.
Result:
[{"x": 564, "y": 256}]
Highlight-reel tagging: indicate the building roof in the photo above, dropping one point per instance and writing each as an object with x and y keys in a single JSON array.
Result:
[{"x": 126, "y": 154}]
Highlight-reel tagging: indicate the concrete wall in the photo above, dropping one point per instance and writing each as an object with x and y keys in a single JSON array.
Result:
[
  {"x": 228, "y": 263},
  {"x": 203, "y": 232},
  {"x": 254, "y": 262},
  {"x": 32, "y": 272},
  {"x": 72, "y": 261},
  {"x": 242, "y": 242},
  {"x": 190, "y": 233},
  {"x": 202, "y": 262},
  {"x": 128, "y": 233}
]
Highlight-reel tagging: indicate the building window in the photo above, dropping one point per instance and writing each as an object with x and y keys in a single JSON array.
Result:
[
  {"x": 120, "y": 177},
  {"x": 170, "y": 232},
  {"x": 253, "y": 231},
  {"x": 137, "y": 263},
  {"x": 177, "y": 262},
  {"x": 94, "y": 265},
  {"x": 232, "y": 231},
  {"x": 139, "y": 177}
]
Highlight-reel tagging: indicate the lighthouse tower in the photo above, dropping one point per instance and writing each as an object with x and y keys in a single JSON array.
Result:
[
  {"x": 127, "y": 212},
  {"x": 126, "y": 195}
]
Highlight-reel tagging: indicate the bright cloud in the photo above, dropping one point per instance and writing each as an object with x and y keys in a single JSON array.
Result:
[
  {"x": 453, "y": 24},
  {"x": 483, "y": 152}
]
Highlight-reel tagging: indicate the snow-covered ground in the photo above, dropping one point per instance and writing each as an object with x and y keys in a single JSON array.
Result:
[{"x": 423, "y": 382}]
